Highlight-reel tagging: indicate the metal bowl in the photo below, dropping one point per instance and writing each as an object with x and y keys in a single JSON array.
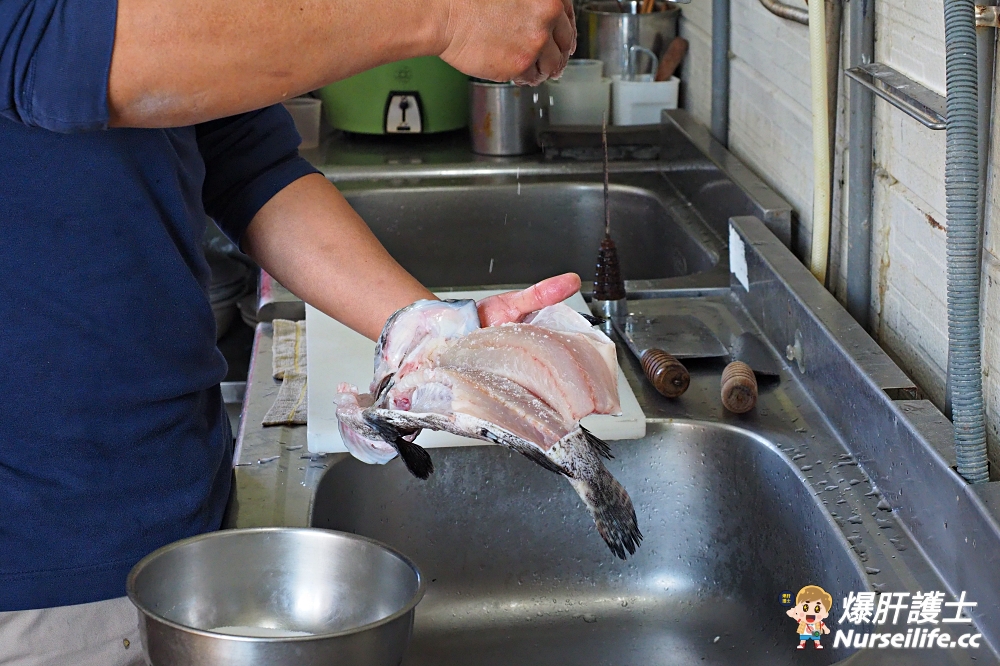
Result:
[{"x": 352, "y": 597}]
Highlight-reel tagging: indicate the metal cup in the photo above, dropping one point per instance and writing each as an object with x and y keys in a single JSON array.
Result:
[
  {"x": 502, "y": 118},
  {"x": 608, "y": 29}
]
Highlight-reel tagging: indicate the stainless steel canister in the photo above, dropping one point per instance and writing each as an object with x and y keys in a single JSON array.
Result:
[
  {"x": 607, "y": 29},
  {"x": 502, "y": 118}
]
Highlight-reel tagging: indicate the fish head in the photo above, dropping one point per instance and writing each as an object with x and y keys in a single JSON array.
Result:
[
  {"x": 412, "y": 334},
  {"x": 362, "y": 440}
]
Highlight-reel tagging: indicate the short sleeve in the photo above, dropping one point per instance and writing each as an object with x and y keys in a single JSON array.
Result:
[
  {"x": 248, "y": 159},
  {"x": 55, "y": 56}
]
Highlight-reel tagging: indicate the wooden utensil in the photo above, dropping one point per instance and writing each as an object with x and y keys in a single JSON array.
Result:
[
  {"x": 661, "y": 343},
  {"x": 672, "y": 58}
]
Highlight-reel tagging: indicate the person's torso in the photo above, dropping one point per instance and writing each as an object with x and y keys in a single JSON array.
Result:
[{"x": 114, "y": 440}]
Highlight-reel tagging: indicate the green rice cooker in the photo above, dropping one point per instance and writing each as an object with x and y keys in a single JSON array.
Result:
[{"x": 415, "y": 96}]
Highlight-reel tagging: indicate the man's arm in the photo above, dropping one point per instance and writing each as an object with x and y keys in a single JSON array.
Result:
[
  {"x": 310, "y": 239},
  {"x": 182, "y": 62}
]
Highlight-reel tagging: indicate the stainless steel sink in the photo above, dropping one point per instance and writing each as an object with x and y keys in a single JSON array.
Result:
[
  {"x": 517, "y": 574},
  {"x": 517, "y": 230}
]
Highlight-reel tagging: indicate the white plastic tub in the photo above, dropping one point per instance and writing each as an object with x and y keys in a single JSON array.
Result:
[{"x": 640, "y": 102}]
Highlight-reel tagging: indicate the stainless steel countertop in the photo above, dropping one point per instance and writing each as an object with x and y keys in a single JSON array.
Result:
[
  {"x": 281, "y": 491},
  {"x": 278, "y": 492},
  {"x": 796, "y": 415}
]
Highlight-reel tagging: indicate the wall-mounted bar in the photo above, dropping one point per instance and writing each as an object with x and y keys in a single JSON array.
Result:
[{"x": 917, "y": 101}]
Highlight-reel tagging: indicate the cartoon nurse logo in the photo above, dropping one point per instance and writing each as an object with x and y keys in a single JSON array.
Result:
[{"x": 812, "y": 606}]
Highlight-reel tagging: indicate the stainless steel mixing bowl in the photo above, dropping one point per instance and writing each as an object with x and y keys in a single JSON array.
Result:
[{"x": 354, "y": 597}]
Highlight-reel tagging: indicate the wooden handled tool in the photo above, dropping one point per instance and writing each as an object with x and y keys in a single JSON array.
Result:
[
  {"x": 667, "y": 375},
  {"x": 659, "y": 343},
  {"x": 751, "y": 365},
  {"x": 739, "y": 388},
  {"x": 672, "y": 58}
]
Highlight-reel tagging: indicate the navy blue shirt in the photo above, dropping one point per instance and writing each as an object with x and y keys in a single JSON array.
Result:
[{"x": 113, "y": 439}]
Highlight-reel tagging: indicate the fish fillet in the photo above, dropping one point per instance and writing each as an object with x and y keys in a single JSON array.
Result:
[{"x": 523, "y": 386}]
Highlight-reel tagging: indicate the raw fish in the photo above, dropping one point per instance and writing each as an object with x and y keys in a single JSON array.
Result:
[{"x": 524, "y": 386}]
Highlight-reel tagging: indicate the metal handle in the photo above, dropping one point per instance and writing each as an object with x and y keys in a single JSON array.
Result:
[
  {"x": 630, "y": 73},
  {"x": 915, "y": 100}
]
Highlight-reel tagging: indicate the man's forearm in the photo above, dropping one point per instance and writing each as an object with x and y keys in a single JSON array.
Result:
[
  {"x": 182, "y": 62},
  {"x": 310, "y": 239}
]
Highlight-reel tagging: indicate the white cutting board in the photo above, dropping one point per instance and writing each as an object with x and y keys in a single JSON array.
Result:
[{"x": 338, "y": 354}]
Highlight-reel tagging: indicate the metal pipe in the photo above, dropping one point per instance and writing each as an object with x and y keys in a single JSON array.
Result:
[
  {"x": 962, "y": 193},
  {"x": 834, "y": 25},
  {"x": 786, "y": 11},
  {"x": 720, "y": 71},
  {"x": 986, "y": 44},
  {"x": 861, "y": 51}
]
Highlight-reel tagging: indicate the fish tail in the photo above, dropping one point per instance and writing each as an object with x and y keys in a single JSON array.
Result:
[
  {"x": 415, "y": 457},
  {"x": 611, "y": 508}
]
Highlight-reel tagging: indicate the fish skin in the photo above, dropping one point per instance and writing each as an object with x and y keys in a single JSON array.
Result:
[{"x": 410, "y": 393}]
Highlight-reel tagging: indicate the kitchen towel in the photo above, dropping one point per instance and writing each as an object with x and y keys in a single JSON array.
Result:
[{"x": 288, "y": 354}]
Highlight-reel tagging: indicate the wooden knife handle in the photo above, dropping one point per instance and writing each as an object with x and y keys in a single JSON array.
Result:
[
  {"x": 672, "y": 58},
  {"x": 665, "y": 373},
  {"x": 739, "y": 388}
]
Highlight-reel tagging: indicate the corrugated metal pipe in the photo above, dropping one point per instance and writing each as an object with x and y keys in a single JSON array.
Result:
[{"x": 964, "y": 232}]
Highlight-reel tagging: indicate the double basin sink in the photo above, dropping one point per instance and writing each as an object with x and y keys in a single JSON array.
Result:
[
  {"x": 733, "y": 517},
  {"x": 515, "y": 571}
]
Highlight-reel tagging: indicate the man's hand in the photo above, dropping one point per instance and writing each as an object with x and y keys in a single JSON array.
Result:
[
  {"x": 513, "y": 306},
  {"x": 527, "y": 41}
]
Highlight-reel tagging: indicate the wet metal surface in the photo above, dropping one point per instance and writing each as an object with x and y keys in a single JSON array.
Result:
[
  {"x": 839, "y": 477},
  {"x": 521, "y": 230},
  {"x": 517, "y": 574}
]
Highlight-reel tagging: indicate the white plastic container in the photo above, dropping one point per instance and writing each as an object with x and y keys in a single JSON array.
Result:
[
  {"x": 581, "y": 69},
  {"x": 579, "y": 102},
  {"x": 640, "y": 102},
  {"x": 306, "y": 112}
]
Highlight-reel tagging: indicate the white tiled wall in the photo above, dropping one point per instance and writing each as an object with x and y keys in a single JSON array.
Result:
[{"x": 770, "y": 130}]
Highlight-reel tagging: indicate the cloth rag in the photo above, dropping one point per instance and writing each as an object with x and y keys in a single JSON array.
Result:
[{"x": 288, "y": 354}]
